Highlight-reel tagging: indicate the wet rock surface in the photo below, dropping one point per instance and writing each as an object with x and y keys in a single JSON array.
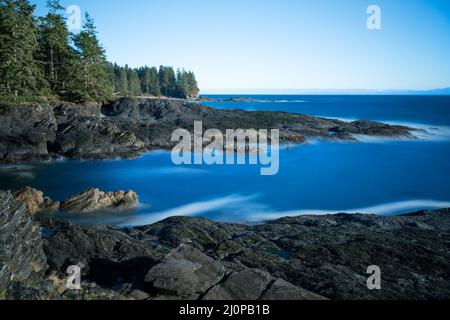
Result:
[
  {"x": 129, "y": 126},
  {"x": 308, "y": 257}
]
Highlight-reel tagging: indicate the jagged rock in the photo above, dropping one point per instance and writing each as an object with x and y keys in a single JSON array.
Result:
[
  {"x": 25, "y": 131},
  {"x": 307, "y": 257},
  {"x": 129, "y": 126},
  {"x": 35, "y": 201},
  {"x": 186, "y": 273},
  {"x": 22, "y": 259},
  {"x": 94, "y": 199}
]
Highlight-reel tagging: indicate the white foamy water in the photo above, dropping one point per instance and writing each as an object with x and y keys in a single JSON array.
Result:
[{"x": 387, "y": 209}]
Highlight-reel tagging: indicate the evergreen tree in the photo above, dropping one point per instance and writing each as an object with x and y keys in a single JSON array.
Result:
[
  {"x": 54, "y": 52},
  {"x": 194, "y": 90},
  {"x": 168, "y": 82},
  {"x": 91, "y": 81},
  {"x": 19, "y": 72},
  {"x": 182, "y": 84},
  {"x": 149, "y": 81},
  {"x": 154, "y": 82},
  {"x": 121, "y": 80},
  {"x": 36, "y": 57},
  {"x": 134, "y": 83}
]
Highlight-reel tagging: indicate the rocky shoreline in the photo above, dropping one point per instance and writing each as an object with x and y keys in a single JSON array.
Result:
[
  {"x": 301, "y": 258},
  {"x": 129, "y": 126}
]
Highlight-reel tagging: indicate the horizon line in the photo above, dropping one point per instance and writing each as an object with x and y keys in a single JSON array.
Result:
[{"x": 291, "y": 91}]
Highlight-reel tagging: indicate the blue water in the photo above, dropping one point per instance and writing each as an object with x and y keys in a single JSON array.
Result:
[{"x": 376, "y": 176}]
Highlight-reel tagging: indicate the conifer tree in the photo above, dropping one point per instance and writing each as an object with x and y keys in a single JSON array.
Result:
[
  {"x": 19, "y": 72},
  {"x": 91, "y": 80},
  {"x": 134, "y": 83},
  {"x": 167, "y": 81},
  {"x": 54, "y": 52}
]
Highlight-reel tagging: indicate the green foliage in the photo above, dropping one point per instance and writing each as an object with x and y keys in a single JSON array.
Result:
[
  {"x": 19, "y": 71},
  {"x": 90, "y": 81},
  {"x": 41, "y": 60},
  {"x": 148, "y": 81},
  {"x": 54, "y": 54}
]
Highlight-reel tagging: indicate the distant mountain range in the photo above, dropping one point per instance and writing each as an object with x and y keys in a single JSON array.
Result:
[{"x": 435, "y": 92}]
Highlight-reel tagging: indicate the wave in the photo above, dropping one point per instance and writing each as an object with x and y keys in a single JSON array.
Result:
[
  {"x": 191, "y": 209},
  {"x": 387, "y": 209}
]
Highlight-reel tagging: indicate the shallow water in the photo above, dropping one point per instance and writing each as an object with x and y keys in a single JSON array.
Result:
[{"x": 379, "y": 176}]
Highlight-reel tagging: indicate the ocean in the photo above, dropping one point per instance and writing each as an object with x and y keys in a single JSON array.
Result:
[{"x": 374, "y": 176}]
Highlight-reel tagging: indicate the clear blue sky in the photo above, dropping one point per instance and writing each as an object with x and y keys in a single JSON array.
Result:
[{"x": 236, "y": 44}]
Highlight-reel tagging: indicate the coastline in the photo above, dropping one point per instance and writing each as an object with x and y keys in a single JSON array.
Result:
[
  {"x": 130, "y": 126},
  {"x": 302, "y": 258}
]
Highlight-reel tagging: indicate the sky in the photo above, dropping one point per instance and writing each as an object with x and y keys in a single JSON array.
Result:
[{"x": 233, "y": 45}]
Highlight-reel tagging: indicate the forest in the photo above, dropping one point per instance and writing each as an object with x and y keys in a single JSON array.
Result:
[{"x": 41, "y": 60}]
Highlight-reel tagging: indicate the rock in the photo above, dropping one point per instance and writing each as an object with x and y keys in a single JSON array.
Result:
[
  {"x": 35, "y": 201},
  {"x": 306, "y": 257},
  {"x": 22, "y": 258},
  {"x": 25, "y": 132},
  {"x": 186, "y": 273},
  {"x": 139, "y": 295},
  {"x": 129, "y": 126},
  {"x": 258, "y": 285},
  {"x": 283, "y": 290},
  {"x": 248, "y": 284},
  {"x": 94, "y": 200}
]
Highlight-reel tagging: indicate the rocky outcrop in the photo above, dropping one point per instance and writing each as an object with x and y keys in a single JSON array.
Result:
[
  {"x": 307, "y": 257},
  {"x": 94, "y": 200},
  {"x": 25, "y": 132},
  {"x": 35, "y": 201},
  {"x": 88, "y": 201},
  {"x": 22, "y": 258},
  {"x": 129, "y": 126}
]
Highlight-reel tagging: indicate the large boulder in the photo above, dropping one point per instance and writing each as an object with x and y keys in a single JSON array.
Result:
[
  {"x": 185, "y": 273},
  {"x": 94, "y": 200},
  {"x": 258, "y": 285}
]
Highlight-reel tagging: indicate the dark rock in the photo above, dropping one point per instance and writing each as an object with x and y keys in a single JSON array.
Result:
[
  {"x": 129, "y": 126},
  {"x": 185, "y": 273},
  {"x": 22, "y": 259},
  {"x": 25, "y": 132},
  {"x": 248, "y": 284},
  {"x": 307, "y": 257},
  {"x": 283, "y": 290}
]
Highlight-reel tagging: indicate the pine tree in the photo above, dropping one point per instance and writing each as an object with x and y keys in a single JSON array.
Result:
[
  {"x": 149, "y": 81},
  {"x": 54, "y": 53},
  {"x": 167, "y": 81},
  {"x": 194, "y": 90},
  {"x": 19, "y": 72},
  {"x": 182, "y": 84},
  {"x": 154, "y": 82},
  {"x": 134, "y": 83},
  {"x": 91, "y": 81}
]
